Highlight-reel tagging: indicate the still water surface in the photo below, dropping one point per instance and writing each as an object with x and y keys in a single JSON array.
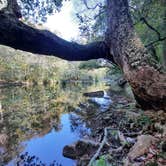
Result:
[{"x": 38, "y": 122}]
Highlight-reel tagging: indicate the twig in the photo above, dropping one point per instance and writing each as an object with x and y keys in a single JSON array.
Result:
[
  {"x": 122, "y": 141},
  {"x": 121, "y": 138},
  {"x": 117, "y": 150},
  {"x": 92, "y": 8},
  {"x": 151, "y": 27},
  {"x": 144, "y": 20},
  {"x": 104, "y": 141},
  {"x": 133, "y": 134},
  {"x": 152, "y": 43}
]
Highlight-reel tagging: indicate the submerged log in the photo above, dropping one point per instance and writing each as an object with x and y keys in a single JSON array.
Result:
[{"x": 94, "y": 94}]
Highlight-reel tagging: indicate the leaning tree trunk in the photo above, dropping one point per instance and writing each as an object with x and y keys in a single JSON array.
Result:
[{"x": 147, "y": 81}]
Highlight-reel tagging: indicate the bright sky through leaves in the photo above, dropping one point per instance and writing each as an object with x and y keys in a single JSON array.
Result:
[{"x": 63, "y": 22}]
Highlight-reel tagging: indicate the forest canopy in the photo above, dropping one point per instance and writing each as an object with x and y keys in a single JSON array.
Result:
[{"x": 149, "y": 18}]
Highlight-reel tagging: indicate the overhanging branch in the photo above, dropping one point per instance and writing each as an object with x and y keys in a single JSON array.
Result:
[{"x": 18, "y": 35}]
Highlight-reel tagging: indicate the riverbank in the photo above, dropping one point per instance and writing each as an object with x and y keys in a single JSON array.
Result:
[
  {"x": 105, "y": 126},
  {"x": 121, "y": 135}
]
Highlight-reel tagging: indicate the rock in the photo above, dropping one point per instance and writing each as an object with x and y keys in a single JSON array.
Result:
[
  {"x": 94, "y": 94},
  {"x": 69, "y": 151},
  {"x": 130, "y": 140},
  {"x": 161, "y": 127},
  {"x": 3, "y": 139},
  {"x": 128, "y": 163},
  {"x": 79, "y": 149},
  {"x": 141, "y": 146}
]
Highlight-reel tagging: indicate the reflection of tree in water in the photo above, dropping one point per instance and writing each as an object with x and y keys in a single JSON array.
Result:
[
  {"x": 27, "y": 160},
  {"x": 33, "y": 111},
  {"x": 28, "y": 113},
  {"x": 78, "y": 126},
  {"x": 81, "y": 118}
]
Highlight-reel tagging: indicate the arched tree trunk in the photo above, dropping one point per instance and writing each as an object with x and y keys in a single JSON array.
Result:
[
  {"x": 143, "y": 74},
  {"x": 122, "y": 46}
]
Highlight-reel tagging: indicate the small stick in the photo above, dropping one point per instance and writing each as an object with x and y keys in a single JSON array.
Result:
[{"x": 104, "y": 141}]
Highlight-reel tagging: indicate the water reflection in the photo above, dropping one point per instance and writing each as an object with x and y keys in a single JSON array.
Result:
[
  {"x": 37, "y": 120},
  {"x": 104, "y": 102},
  {"x": 47, "y": 150}
]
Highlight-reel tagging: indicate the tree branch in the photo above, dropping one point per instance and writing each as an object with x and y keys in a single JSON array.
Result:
[
  {"x": 18, "y": 35},
  {"x": 153, "y": 42},
  {"x": 92, "y": 8},
  {"x": 151, "y": 27}
]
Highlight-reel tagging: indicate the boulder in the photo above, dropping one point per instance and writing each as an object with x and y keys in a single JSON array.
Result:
[
  {"x": 69, "y": 151},
  {"x": 141, "y": 147},
  {"x": 79, "y": 149}
]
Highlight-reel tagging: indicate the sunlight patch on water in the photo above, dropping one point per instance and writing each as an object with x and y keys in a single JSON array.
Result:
[{"x": 104, "y": 101}]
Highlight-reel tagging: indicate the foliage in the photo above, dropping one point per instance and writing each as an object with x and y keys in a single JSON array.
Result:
[
  {"x": 22, "y": 67},
  {"x": 91, "y": 16},
  {"x": 91, "y": 64},
  {"x": 28, "y": 69},
  {"x": 114, "y": 70},
  {"x": 154, "y": 13},
  {"x": 144, "y": 120},
  {"x": 101, "y": 161},
  {"x": 93, "y": 23},
  {"x": 37, "y": 10}
]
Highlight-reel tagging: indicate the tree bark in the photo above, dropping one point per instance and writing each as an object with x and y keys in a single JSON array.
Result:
[
  {"x": 147, "y": 81},
  {"x": 122, "y": 46}
]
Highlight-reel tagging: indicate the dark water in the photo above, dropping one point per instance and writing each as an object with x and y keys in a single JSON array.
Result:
[{"x": 37, "y": 122}]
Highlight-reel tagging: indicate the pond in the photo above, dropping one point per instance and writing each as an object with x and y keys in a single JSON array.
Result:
[{"x": 37, "y": 122}]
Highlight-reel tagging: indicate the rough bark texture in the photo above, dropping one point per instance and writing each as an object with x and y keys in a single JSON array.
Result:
[
  {"x": 143, "y": 74},
  {"x": 122, "y": 45}
]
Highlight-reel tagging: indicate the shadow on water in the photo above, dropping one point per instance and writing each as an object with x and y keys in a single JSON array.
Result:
[{"x": 37, "y": 122}]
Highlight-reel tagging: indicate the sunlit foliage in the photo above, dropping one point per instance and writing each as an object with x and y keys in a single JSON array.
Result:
[{"x": 37, "y": 10}]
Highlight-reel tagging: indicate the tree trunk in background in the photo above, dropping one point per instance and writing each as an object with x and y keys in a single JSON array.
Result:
[
  {"x": 148, "y": 83},
  {"x": 122, "y": 46}
]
